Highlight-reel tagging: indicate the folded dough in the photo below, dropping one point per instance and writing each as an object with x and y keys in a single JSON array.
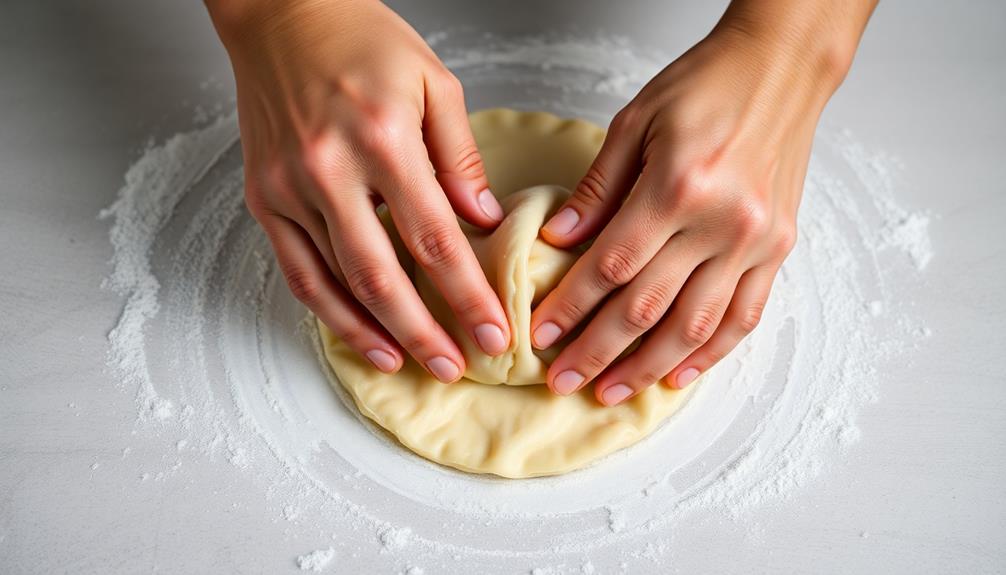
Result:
[
  {"x": 522, "y": 268},
  {"x": 520, "y": 429}
]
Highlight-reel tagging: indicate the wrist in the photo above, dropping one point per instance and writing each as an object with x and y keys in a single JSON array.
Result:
[
  {"x": 236, "y": 18},
  {"x": 816, "y": 38}
]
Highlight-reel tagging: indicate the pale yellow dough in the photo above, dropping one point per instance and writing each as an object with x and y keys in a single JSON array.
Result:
[{"x": 519, "y": 429}]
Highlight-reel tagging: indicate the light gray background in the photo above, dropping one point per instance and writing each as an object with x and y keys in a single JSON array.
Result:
[{"x": 84, "y": 85}]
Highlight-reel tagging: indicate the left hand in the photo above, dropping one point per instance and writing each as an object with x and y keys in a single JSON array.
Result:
[{"x": 696, "y": 188}]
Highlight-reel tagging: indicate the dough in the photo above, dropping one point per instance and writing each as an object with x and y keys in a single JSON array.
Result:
[
  {"x": 522, "y": 268},
  {"x": 519, "y": 429}
]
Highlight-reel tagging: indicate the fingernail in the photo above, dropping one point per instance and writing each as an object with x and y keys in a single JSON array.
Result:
[
  {"x": 443, "y": 369},
  {"x": 490, "y": 338},
  {"x": 685, "y": 377},
  {"x": 563, "y": 222},
  {"x": 382, "y": 360},
  {"x": 567, "y": 382},
  {"x": 489, "y": 205},
  {"x": 616, "y": 394},
  {"x": 546, "y": 334}
]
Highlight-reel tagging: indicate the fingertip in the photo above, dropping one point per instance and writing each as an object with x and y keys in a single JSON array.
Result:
[
  {"x": 614, "y": 394},
  {"x": 384, "y": 360},
  {"x": 567, "y": 382},
  {"x": 444, "y": 369},
  {"x": 490, "y": 206},
  {"x": 559, "y": 228},
  {"x": 545, "y": 335},
  {"x": 491, "y": 338},
  {"x": 683, "y": 378}
]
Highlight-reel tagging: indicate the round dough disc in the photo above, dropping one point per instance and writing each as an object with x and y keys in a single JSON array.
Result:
[{"x": 520, "y": 429}]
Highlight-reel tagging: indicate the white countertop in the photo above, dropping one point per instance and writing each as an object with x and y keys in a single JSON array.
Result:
[{"x": 83, "y": 88}]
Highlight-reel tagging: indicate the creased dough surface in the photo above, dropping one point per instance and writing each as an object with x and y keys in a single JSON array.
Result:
[{"x": 519, "y": 429}]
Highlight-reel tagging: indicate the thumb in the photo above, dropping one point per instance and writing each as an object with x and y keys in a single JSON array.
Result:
[
  {"x": 600, "y": 192},
  {"x": 456, "y": 157}
]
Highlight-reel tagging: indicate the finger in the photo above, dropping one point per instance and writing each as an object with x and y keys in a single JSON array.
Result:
[
  {"x": 430, "y": 231},
  {"x": 308, "y": 277},
  {"x": 314, "y": 224},
  {"x": 376, "y": 278},
  {"x": 741, "y": 317},
  {"x": 627, "y": 244},
  {"x": 601, "y": 190},
  {"x": 454, "y": 155},
  {"x": 693, "y": 318},
  {"x": 623, "y": 319}
]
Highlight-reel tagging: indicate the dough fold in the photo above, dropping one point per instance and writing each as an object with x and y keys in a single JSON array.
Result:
[{"x": 517, "y": 429}]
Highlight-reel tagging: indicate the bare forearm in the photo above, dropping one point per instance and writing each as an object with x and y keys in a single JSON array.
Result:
[{"x": 824, "y": 34}]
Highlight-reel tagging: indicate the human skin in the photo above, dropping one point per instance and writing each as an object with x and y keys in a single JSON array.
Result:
[
  {"x": 691, "y": 202},
  {"x": 343, "y": 106},
  {"x": 693, "y": 199}
]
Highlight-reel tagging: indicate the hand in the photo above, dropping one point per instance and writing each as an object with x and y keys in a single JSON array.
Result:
[
  {"x": 342, "y": 106},
  {"x": 696, "y": 188}
]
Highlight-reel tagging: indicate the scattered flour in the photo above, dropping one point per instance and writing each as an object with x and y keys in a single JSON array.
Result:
[
  {"x": 395, "y": 538},
  {"x": 316, "y": 560},
  {"x": 217, "y": 369}
]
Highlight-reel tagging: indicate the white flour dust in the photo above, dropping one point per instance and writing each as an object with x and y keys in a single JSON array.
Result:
[
  {"x": 316, "y": 560},
  {"x": 223, "y": 364}
]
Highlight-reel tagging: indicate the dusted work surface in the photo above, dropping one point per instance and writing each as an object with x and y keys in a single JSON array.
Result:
[{"x": 87, "y": 488}]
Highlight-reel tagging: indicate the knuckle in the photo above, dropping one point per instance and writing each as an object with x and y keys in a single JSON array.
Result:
[
  {"x": 616, "y": 267},
  {"x": 435, "y": 247},
  {"x": 752, "y": 220},
  {"x": 323, "y": 157},
  {"x": 595, "y": 359},
  {"x": 371, "y": 286},
  {"x": 304, "y": 285},
  {"x": 645, "y": 310},
  {"x": 751, "y": 316},
  {"x": 714, "y": 355},
  {"x": 383, "y": 131},
  {"x": 469, "y": 161},
  {"x": 451, "y": 85},
  {"x": 693, "y": 190},
  {"x": 785, "y": 240},
  {"x": 468, "y": 304},
  {"x": 646, "y": 378},
  {"x": 700, "y": 325},
  {"x": 257, "y": 205},
  {"x": 624, "y": 120},
  {"x": 591, "y": 189},
  {"x": 569, "y": 310},
  {"x": 419, "y": 343}
]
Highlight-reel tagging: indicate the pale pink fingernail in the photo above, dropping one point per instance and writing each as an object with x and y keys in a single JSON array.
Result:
[
  {"x": 563, "y": 222},
  {"x": 382, "y": 360},
  {"x": 490, "y": 338},
  {"x": 489, "y": 205},
  {"x": 567, "y": 382},
  {"x": 443, "y": 369},
  {"x": 616, "y": 394},
  {"x": 546, "y": 334},
  {"x": 685, "y": 377}
]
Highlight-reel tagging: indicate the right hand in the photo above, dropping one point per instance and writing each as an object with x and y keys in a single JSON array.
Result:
[{"x": 343, "y": 106}]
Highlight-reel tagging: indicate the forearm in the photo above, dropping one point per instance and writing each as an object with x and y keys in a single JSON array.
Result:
[{"x": 822, "y": 35}]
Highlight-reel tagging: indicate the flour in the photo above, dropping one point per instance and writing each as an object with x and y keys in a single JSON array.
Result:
[
  {"x": 316, "y": 560},
  {"x": 394, "y": 538},
  {"x": 224, "y": 367}
]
